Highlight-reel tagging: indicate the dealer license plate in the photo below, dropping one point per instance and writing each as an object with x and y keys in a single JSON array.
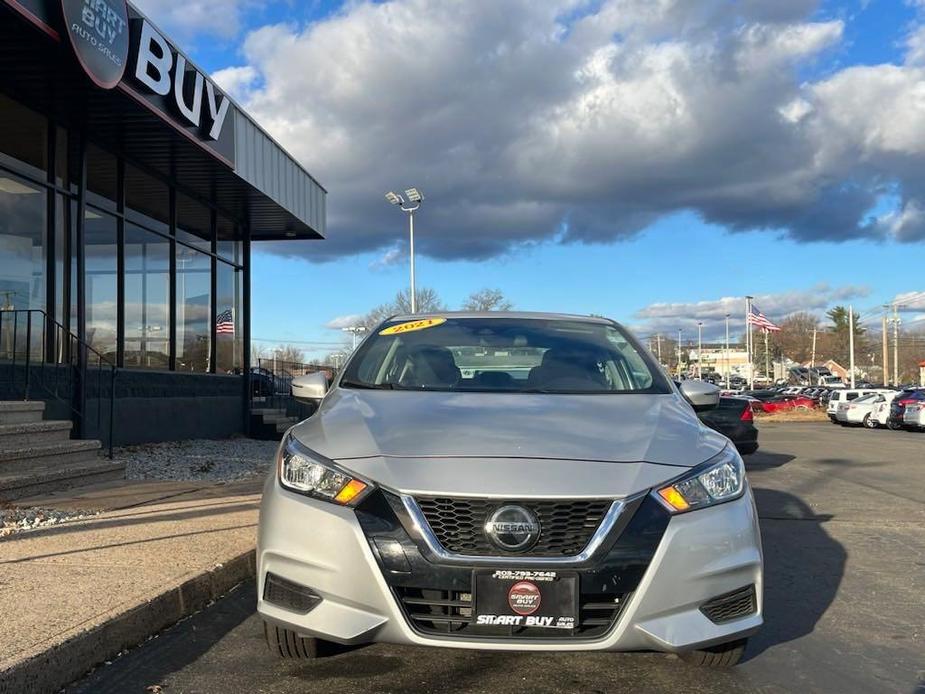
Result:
[{"x": 533, "y": 599}]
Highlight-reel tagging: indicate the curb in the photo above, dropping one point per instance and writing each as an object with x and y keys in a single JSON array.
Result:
[{"x": 65, "y": 662}]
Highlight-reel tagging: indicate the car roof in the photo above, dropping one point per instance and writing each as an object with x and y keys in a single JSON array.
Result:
[{"x": 527, "y": 315}]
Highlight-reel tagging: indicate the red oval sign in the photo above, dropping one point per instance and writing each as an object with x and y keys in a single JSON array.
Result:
[{"x": 524, "y": 598}]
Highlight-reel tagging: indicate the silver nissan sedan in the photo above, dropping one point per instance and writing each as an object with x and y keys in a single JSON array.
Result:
[{"x": 508, "y": 481}]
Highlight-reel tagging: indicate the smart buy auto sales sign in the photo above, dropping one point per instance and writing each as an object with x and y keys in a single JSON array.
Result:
[
  {"x": 113, "y": 41},
  {"x": 98, "y": 30}
]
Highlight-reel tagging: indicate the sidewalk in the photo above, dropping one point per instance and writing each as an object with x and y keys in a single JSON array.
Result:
[{"x": 75, "y": 594}]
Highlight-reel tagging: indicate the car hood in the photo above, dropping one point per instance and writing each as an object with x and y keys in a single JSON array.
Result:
[{"x": 419, "y": 442}]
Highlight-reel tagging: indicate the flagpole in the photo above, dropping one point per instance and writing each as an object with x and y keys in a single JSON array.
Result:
[
  {"x": 767, "y": 362},
  {"x": 748, "y": 343}
]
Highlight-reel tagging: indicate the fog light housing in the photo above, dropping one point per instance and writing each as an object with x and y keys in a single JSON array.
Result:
[{"x": 289, "y": 595}]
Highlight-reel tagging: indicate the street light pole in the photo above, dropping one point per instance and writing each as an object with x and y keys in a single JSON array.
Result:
[
  {"x": 728, "y": 367},
  {"x": 679, "y": 354},
  {"x": 415, "y": 197},
  {"x": 700, "y": 350}
]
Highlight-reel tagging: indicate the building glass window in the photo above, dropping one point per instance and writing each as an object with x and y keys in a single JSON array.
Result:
[
  {"x": 194, "y": 223},
  {"x": 102, "y": 177},
  {"x": 228, "y": 239},
  {"x": 147, "y": 199},
  {"x": 147, "y": 299},
  {"x": 23, "y": 217},
  {"x": 62, "y": 160},
  {"x": 227, "y": 323},
  {"x": 23, "y": 138},
  {"x": 100, "y": 283},
  {"x": 194, "y": 309}
]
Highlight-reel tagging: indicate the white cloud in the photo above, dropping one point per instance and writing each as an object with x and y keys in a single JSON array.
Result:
[
  {"x": 585, "y": 122},
  {"x": 237, "y": 81},
  {"x": 391, "y": 257},
  {"x": 666, "y": 318},
  {"x": 183, "y": 20},
  {"x": 341, "y": 322}
]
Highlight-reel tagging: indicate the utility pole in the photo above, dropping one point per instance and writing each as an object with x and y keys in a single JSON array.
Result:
[
  {"x": 700, "y": 350},
  {"x": 851, "y": 343},
  {"x": 727, "y": 352},
  {"x": 812, "y": 361},
  {"x": 895, "y": 344},
  {"x": 886, "y": 349}
]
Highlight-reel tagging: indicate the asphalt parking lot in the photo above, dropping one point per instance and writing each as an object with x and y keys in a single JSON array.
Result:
[{"x": 843, "y": 524}]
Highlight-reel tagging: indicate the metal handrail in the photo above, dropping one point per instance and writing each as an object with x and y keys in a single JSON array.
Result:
[{"x": 68, "y": 349}]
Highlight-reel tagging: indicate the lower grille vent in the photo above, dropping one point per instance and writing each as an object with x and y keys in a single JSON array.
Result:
[{"x": 735, "y": 605}]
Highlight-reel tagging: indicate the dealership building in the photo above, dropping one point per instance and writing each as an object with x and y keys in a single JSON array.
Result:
[{"x": 132, "y": 193}]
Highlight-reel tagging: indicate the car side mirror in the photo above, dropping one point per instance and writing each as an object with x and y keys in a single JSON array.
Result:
[
  {"x": 702, "y": 396},
  {"x": 310, "y": 388}
]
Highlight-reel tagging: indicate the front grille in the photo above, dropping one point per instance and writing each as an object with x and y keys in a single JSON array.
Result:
[
  {"x": 735, "y": 605},
  {"x": 449, "y": 613},
  {"x": 566, "y": 526}
]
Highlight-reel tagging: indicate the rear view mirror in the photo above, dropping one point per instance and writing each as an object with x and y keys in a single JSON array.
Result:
[
  {"x": 310, "y": 388},
  {"x": 701, "y": 395}
]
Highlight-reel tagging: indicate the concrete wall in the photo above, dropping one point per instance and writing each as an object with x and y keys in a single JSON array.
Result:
[
  {"x": 149, "y": 405},
  {"x": 162, "y": 406}
]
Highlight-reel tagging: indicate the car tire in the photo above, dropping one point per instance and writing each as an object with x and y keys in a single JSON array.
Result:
[
  {"x": 747, "y": 448},
  {"x": 723, "y": 655},
  {"x": 285, "y": 643},
  {"x": 868, "y": 422},
  {"x": 893, "y": 425}
]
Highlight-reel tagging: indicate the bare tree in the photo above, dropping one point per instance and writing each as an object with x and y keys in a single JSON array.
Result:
[
  {"x": 289, "y": 353},
  {"x": 795, "y": 338},
  {"x": 427, "y": 301},
  {"x": 487, "y": 300}
]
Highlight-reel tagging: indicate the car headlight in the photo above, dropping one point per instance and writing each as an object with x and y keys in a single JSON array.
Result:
[
  {"x": 720, "y": 479},
  {"x": 306, "y": 472}
]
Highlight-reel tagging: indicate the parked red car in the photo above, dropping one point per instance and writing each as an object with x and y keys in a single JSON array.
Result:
[{"x": 784, "y": 402}]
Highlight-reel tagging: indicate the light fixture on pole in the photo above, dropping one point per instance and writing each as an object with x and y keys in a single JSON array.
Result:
[
  {"x": 415, "y": 198},
  {"x": 354, "y": 330}
]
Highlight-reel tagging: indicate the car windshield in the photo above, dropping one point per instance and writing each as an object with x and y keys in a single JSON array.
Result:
[{"x": 503, "y": 354}]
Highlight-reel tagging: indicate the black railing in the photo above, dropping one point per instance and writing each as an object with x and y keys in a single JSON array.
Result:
[
  {"x": 271, "y": 385},
  {"x": 43, "y": 360}
]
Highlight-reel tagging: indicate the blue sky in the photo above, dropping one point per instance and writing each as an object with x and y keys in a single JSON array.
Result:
[{"x": 587, "y": 169}]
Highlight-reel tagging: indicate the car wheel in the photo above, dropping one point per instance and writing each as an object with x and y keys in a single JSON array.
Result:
[
  {"x": 893, "y": 425},
  {"x": 868, "y": 422},
  {"x": 284, "y": 643},
  {"x": 722, "y": 656},
  {"x": 747, "y": 448}
]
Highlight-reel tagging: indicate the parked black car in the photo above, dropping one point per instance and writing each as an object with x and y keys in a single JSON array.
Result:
[{"x": 733, "y": 418}]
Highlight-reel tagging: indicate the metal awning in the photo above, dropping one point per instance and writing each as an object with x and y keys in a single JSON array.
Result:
[{"x": 260, "y": 184}]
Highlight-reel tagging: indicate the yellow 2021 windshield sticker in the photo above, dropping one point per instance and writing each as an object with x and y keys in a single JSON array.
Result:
[{"x": 411, "y": 326}]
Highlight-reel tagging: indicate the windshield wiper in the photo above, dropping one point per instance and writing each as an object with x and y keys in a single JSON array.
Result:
[{"x": 368, "y": 386}]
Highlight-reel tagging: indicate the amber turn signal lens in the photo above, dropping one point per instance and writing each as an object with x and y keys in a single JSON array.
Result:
[
  {"x": 674, "y": 498},
  {"x": 350, "y": 491}
]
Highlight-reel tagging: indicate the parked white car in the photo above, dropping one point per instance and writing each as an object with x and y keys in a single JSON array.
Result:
[
  {"x": 858, "y": 412},
  {"x": 880, "y": 411},
  {"x": 844, "y": 397},
  {"x": 914, "y": 416}
]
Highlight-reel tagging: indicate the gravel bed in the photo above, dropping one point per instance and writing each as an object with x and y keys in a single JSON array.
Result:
[
  {"x": 226, "y": 460},
  {"x": 14, "y": 520}
]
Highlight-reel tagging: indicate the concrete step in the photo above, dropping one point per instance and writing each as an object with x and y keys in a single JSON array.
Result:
[
  {"x": 30, "y": 434},
  {"x": 55, "y": 454},
  {"x": 267, "y": 412},
  {"x": 21, "y": 411},
  {"x": 42, "y": 479}
]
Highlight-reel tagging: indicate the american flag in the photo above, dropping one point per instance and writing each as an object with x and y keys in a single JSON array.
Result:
[
  {"x": 224, "y": 323},
  {"x": 758, "y": 319}
]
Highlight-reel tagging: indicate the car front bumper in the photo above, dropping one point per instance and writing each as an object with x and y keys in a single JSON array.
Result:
[{"x": 324, "y": 547}]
